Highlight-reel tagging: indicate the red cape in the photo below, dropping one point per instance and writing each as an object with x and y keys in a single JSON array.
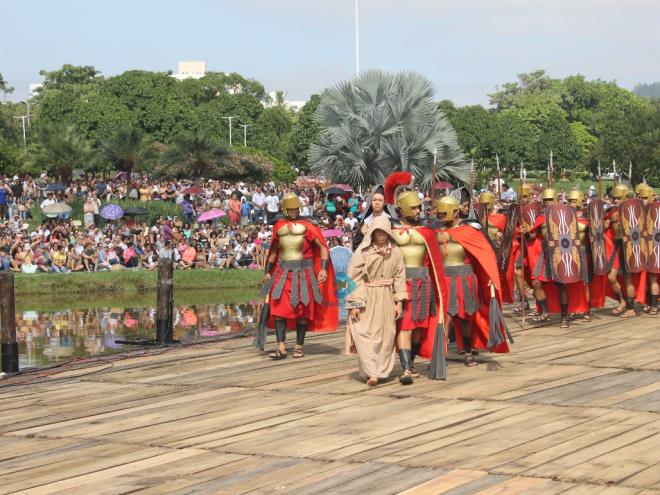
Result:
[
  {"x": 484, "y": 264},
  {"x": 326, "y": 314},
  {"x": 498, "y": 220},
  {"x": 437, "y": 274}
]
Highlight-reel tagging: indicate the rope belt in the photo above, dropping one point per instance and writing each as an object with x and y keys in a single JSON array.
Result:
[
  {"x": 386, "y": 282},
  {"x": 421, "y": 300},
  {"x": 302, "y": 272}
]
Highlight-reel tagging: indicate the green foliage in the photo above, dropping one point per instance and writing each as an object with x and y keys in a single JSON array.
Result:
[
  {"x": 642, "y": 89},
  {"x": 305, "y": 132},
  {"x": 4, "y": 86},
  {"x": 195, "y": 154},
  {"x": 10, "y": 157},
  {"x": 60, "y": 149},
  {"x": 382, "y": 122},
  {"x": 128, "y": 148},
  {"x": 69, "y": 74}
]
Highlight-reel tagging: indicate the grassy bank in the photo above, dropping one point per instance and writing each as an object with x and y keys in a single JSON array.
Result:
[{"x": 103, "y": 283}]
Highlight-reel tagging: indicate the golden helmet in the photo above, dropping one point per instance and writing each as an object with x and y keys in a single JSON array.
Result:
[
  {"x": 406, "y": 201},
  {"x": 488, "y": 198},
  {"x": 549, "y": 193},
  {"x": 644, "y": 191},
  {"x": 448, "y": 205},
  {"x": 524, "y": 190},
  {"x": 289, "y": 201},
  {"x": 620, "y": 191},
  {"x": 576, "y": 195}
]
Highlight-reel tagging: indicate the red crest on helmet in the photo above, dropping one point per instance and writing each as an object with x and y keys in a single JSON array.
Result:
[{"x": 395, "y": 182}]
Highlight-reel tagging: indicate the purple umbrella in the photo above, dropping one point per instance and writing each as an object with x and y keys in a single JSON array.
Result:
[
  {"x": 112, "y": 212},
  {"x": 332, "y": 233},
  {"x": 211, "y": 214}
]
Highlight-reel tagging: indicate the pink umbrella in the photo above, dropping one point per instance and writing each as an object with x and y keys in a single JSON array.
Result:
[
  {"x": 443, "y": 185},
  {"x": 193, "y": 190},
  {"x": 211, "y": 215},
  {"x": 332, "y": 233}
]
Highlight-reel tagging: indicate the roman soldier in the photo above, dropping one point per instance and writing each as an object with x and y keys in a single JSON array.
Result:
[
  {"x": 524, "y": 197},
  {"x": 634, "y": 284},
  {"x": 647, "y": 194},
  {"x": 472, "y": 279},
  {"x": 299, "y": 280},
  {"x": 421, "y": 329}
]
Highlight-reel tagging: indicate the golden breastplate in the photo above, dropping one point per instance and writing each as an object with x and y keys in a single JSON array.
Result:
[
  {"x": 412, "y": 246},
  {"x": 453, "y": 253},
  {"x": 492, "y": 233},
  {"x": 582, "y": 232},
  {"x": 615, "y": 223},
  {"x": 291, "y": 241}
]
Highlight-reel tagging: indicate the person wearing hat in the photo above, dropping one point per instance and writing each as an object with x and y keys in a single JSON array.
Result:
[
  {"x": 299, "y": 281},
  {"x": 647, "y": 195}
]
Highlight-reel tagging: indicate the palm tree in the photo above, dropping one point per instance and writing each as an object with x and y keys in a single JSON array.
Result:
[
  {"x": 382, "y": 122},
  {"x": 5, "y": 88},
  {"x": 196, "y": 154},
  {"x": 128, "y": 148},
  {"x": 60, "y": 149}
]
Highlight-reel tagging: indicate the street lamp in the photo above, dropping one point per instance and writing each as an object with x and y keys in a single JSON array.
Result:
[
  {"x": 229, "y": 122},
  {"x": 244, "y": 126},
  {"x": 23, "y": 117}
]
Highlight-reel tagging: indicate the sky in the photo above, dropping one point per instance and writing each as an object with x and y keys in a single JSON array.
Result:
[{"x": 465, "y": 47}]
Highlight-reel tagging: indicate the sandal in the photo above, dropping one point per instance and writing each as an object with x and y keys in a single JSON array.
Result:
[
  {"x": 628, "y": 313},
  {"x": 277, "y": 355},
  {"x": 298, "y": 352},
  {"x": 372, "y": 381},
  {"x": 414, "y": 373},
  {"x": 619, "y": 310},
  {"x": 406, "y": 378},
  {"x": 542, "y": 318},
  {"x": 518, "y": 309},
  {"x": 653, "y": 311},
  {"x": 586, "y": 318},
  {"x": 469, "y": 361},
  {"x": 565, "y": 323}
]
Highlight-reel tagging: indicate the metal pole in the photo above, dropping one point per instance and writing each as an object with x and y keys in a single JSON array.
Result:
[
  {"x": 22, "y": 117},
  {"x": 245, "y": 126},
  {"x": 357, "y": 40},
  {"x": 165, "y": 302},
  {"x": 229, "y": 119},
  {"x": 8, "y": 344}
]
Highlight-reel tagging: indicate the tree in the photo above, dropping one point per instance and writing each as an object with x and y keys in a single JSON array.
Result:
[
  {"x": 382, "y": 122},
  {"x": 128, "y": 148},
  {"x": 5, "y": 88},
  {"x": 69, "y": 74},
  {"x": 60, "y": 149},
  {"x": 305, "y": 132},
  {"x": 196, "y": 154}
]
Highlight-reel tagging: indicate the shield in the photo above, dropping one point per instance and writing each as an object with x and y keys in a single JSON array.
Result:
[
  {"x": 504, "y": 254},
  {"x": 598, "y": 255},
  {"x": 481, "y": 210},
  {"x": 529, "y": 214},
  {"x": 631, "y": 215},
  {"x": 652, "y": 236},
  {"x": 563, "y": 243}
]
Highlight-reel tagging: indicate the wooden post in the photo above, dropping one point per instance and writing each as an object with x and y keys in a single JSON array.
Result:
[
  {"x": 8, "y": 344},
  {"x": 165, "y": 302}
]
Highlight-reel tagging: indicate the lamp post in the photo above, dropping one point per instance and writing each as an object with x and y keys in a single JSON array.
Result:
[
  {"x": 228, "y": 119},
  {"x": 357, "y": 40},
  {"x": 23, "y": 117},
  {"x": 245, "y": 126}
]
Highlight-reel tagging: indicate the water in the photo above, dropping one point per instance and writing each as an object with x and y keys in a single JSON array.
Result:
[{"x": 55, "y": 331}]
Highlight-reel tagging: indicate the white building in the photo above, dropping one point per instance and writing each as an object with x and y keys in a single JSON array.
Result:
[
  {"x": 295, "y": 105},
  {"x": 191, "y": 69}
]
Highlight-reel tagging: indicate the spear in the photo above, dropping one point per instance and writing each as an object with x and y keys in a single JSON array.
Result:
[
  {"x": 433, "y": 171},
  {"x": 600, "y": 182},
  {"x": 499, "y": 186},
  {"x": 630, "y": 173},
  {"x": 471, "y": 184},
  {"x": 614, "y": 170},
  {"x": 523, "y": 295},
  {"x": 551, "y": 170}
]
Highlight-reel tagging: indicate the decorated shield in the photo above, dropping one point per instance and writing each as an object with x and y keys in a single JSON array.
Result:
[
  {"x": 652, "y": 236},
  {"x": 598, "y": 255},
  {"x": 530, "y": 213},
  {"x": 481, "y": 210},
  {"x": 504, "y": 254},
  {"x": 631, "y": 216},
  {"x": 563, "y": 244}
]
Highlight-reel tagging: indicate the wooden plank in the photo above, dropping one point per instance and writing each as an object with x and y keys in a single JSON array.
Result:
[{"x": 445, "y": 482}]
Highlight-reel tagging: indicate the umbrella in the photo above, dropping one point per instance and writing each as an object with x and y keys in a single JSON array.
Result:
[
  {"x": 193, "y": 190},
  {"x": 55, "y": 187},
  {"x": 211, "y": 214},
  {"x": 135, "y": 211},
  {"x": 443, "y": 185},
  {"x": 57, "y": 209},
  {"x": 338, "y": 189},
  {"x": 332, "y": 233},
  {"x": 112, "y": 212}
]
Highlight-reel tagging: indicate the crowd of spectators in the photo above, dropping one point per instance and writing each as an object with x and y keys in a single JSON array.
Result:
[{"x": 240, "y": 239}]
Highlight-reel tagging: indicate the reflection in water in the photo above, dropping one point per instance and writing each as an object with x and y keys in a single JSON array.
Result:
[{"x": 56, "y": 336}]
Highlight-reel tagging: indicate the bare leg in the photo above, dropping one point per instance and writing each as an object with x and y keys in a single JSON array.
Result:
[
  {"x": 616, "y": 288},
  {"x": 630, "y": 297}
]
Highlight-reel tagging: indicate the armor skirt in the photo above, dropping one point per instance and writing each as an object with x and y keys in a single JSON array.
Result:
[
  {"x": 421, "y": 303},
  {"x": 463, "y": 299},
  {"x": 293, "y": 289}
]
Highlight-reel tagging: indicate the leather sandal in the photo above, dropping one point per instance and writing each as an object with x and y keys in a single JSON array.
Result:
[
  {"x": 619, "y": 310},
  {"x": 298, "y": 352},
  {"x": 406, "y": 378},
  {"x": 372, "y": 381},
  {"x": 277, "y": 355}
]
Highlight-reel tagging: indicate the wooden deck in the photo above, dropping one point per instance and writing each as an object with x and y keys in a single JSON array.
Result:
[{"x": 569, "y": 411}]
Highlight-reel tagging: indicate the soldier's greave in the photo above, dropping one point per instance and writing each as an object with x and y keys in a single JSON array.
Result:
[
  {"x": 280, "y": 329},
  {"x": 413, "y": 352},
  {"x": 654, "y": 300},
  {"x": 301, "y": 330},
  {"x": 543, "y": 303},
  {"x": 467, "y": 344},
  {"x": 405, "y": 356},
  {"x": 630, "y": 303},
  {"x": 564, "y": 309}
]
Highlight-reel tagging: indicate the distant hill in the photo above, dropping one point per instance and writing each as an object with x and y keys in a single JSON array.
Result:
[{"x": 647, "y": 90}]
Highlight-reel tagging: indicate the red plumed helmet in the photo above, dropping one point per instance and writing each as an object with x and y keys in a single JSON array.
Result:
[{"x": 394, "y": 182}]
